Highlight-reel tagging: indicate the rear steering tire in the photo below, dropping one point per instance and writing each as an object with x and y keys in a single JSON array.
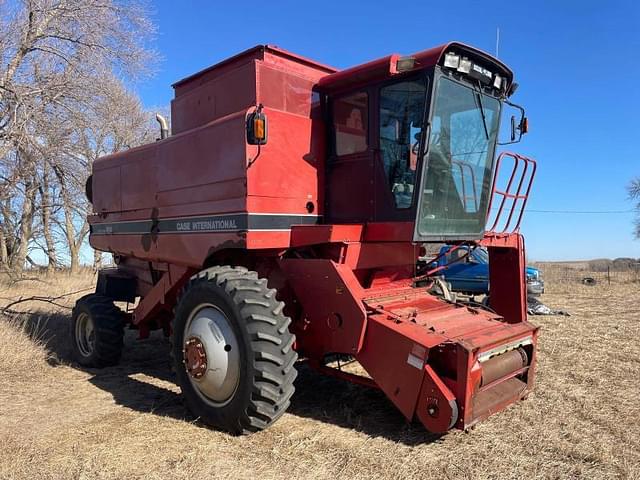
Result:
[
  {"x": 97, "y": 330},
  {"x": 232, "y": 350}
]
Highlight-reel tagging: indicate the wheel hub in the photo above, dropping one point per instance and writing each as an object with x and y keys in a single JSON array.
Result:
[
  {"x": 211, "y": 355},
  {"x": 195, "y": 357},
  {"x": 85, "y": 334}
]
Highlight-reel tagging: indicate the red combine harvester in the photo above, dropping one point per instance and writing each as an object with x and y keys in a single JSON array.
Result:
[{"x": 283, "y": 218}]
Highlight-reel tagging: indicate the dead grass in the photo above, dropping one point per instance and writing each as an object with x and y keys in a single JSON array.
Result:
[
  {"x": 58, "y": 421},
  {"x": 22, "y": 350}
]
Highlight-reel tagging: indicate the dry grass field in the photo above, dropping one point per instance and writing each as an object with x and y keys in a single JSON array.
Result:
[{"x": 59, "y": 421}]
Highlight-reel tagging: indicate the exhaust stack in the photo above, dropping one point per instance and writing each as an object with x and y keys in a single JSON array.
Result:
[{"x": 164, "y": 126}]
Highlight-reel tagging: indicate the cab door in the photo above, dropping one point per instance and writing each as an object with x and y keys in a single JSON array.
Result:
[
  {"x": 349, "y": 174},
  {"x": 400, "y": 109}
]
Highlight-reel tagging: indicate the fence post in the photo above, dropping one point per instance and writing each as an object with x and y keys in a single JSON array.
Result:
[{"x": 609, "y": 275}]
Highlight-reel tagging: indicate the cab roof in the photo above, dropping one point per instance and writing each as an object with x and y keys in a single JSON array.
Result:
[{"x": 386, "y": 66}]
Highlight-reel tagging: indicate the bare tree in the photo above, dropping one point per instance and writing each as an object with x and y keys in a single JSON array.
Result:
[
  {"x": 59, "y": 60},
  {"x": 47, "y": 196},
  {"x": 634, "y": 194},
  {"x": 18, "y": 194},
  {"x": 117, "y": 121},
  {"x": 50, "y": 48}
]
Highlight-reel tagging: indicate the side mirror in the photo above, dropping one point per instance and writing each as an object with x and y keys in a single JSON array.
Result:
[
  {"x": 518, "y": 128},
  {"x": 257, "y": 127}
]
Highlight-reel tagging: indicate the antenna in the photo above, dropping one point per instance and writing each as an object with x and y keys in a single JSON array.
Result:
[{"x": 497, "y": 41}]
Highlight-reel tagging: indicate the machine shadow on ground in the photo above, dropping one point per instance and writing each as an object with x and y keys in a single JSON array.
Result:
[{"x": 143, "y": 381}]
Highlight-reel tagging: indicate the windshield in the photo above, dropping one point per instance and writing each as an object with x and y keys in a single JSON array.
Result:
[{"x": 459, "y": 162}]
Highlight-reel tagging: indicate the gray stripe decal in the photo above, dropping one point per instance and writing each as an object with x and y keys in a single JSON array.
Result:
[{"x": 235, "y": 222}]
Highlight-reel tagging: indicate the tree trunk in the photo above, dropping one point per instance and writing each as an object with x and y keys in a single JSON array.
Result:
[
  {"x": 45, "y": 195},
  {"x": 4, "y": 252},
  {"x": 74, "y": 239},
  {"x": 74, "y": 254},
  {"x": 69, "y": 229},
  {"x": 8, "y": 240},
  {"x": 97, "y": 259},
  {"x": 26, "y": 225}
]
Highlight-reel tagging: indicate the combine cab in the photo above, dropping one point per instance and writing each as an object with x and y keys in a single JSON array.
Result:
[{"x": 282, "y": 220}]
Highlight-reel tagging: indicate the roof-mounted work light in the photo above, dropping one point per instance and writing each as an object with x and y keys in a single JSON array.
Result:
[
  {"x": 465, "y": 65},
  {"x": 451, "y": 60},
  {"x": 404, "y": 64},
  {"x": 497, "y": 82}
]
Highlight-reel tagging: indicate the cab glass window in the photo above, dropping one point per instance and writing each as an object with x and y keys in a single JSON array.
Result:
[
  {"x": 401, "y": 111},
  {"x": 350, "y": 117}
]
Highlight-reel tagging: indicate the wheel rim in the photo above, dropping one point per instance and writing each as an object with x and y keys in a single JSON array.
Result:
[
  {"x": 85, "y": 334},
  {"x": 211, "y": 355}
]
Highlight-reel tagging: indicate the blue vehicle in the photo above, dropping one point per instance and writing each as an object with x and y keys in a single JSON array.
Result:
[{"x": 470, "y": 274}]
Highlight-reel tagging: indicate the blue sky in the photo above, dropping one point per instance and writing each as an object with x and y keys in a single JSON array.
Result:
[{"x": 577, "y": 63}]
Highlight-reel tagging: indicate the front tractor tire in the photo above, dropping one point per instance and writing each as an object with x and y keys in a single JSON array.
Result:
[
  {"x": 232, "y": 350},
  {"x": 97, "y": 330}
]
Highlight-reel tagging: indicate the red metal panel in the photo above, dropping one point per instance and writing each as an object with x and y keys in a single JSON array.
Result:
[
  {"x": 351, "y": 77},
  {"x": 228, "y": 92},
  {"x": 267, "y": 53},
  {"x": 265, "y": 204},
  {"x": 395, "y": 362},
  {"x": 139, "y": 180},
  {"x": 272, "y": 87},
  {"x": 172, "y": 171},
  {"x": 295, "y": 63},
  {"x": 230, "y": 86},
  {"x": 389, "y": 232},
  {"x": 181, "y": 209},
  {"x": 287, "y": 167},
  {"x": 204, "y": 156},
  {"x": 161, "y": 297},
  {"x": 187, "y": 84},
  {"x": 375, "y": 255},
  {"x": 508, "y": 288},
  {"x": 302, "y": 235},
  {"x": 282, "y": 90},
  {"x": 220, "y": 197},
  {"x": 350, "y": 189},
  {"x": 107, "y": 179},
  {"x": 267, "y": 240},
  {"x": 187, "y": 250},
  {"x": 330, "y": 295}
]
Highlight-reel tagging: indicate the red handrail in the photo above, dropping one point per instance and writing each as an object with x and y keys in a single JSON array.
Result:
[{"x": 529, "y": 167}]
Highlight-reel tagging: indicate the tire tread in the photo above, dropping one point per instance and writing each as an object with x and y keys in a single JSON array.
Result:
[
  {"x": 271, "y": 353},
  {"x": 108, "y": 321}
]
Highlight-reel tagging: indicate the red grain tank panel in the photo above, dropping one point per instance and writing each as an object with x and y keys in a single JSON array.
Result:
[
  {"x": 205, "y": 178},
  {"x": 283, "y": 79},
  {"x": 227, "y": 92}
]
